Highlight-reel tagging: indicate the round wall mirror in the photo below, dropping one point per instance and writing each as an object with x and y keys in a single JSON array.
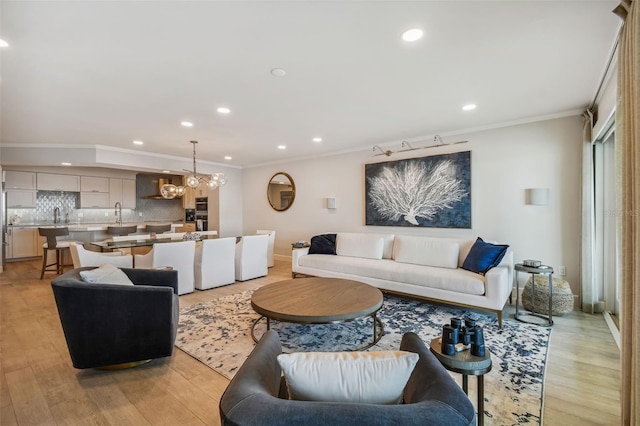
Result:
[{"x": 281, "y": 191}]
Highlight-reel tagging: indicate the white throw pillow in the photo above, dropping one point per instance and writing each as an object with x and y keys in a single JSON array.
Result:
[
  {"x": 376, "y": 377},
  {"x": 105, "y": 274},
  {"x": 426, "y": 251},
  {"x": 359, "y": 245}
]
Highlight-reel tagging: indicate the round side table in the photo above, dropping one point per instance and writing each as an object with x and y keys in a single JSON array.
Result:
[
  {"x": 467, "y": 365},
  {"x": 534, "y": 270}
]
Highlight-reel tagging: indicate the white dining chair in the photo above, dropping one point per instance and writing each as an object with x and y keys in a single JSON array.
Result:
[
  {"x": 214, "y": 264},
  {"x": 272, "y": 241},
  {"x": 179, "y": 255},
  {"x": 82, "y": 257},
  {"x": 251, "y": 257}
]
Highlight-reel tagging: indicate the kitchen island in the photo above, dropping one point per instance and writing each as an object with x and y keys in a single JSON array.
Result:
[{"x": 24, "y": 242}]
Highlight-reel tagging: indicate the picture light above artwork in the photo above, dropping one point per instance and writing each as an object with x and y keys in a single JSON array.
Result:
[{"x": 406, "y": 146}]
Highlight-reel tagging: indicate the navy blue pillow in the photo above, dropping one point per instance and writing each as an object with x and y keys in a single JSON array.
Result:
[
  {"x": 484, "y": 256},
  {"x": 323, "y": 244}
]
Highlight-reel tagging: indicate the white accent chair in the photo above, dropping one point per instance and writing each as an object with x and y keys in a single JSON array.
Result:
[
  {"x": 272, "y": 240},
  {"x": 82, "y": 257},
  {"x": 179, "y": 255},
  {"x": 214, "y": 264},
  {"x": 251, "y": 257}
]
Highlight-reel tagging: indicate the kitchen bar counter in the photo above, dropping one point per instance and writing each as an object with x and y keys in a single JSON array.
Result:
[{"x": 91, "y": 227}]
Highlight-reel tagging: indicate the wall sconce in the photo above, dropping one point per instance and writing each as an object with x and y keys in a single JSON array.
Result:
[
  {"x": 331, "y": 203},
  {"x": 537, "y": 196}
]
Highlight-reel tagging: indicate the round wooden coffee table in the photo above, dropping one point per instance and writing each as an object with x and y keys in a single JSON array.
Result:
[{"x": 318, "y": 301}]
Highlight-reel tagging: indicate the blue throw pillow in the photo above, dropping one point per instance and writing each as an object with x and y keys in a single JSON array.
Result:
[
  {"x": 484, "y": 256},
  {"x": 323, "y": 244}
]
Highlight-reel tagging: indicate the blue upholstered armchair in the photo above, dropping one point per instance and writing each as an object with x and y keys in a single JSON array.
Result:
[
  {"x": 112, "y": 324},
  {"x": 257, "y": 396}
]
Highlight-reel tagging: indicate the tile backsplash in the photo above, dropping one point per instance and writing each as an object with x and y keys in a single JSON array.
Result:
[{"x": 69, "y": 204}]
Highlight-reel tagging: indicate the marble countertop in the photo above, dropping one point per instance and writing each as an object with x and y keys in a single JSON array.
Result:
[{"x": 89, "y": 227}]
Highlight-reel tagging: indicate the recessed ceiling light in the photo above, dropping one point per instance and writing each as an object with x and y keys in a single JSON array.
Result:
[
  {"x": 138, "y": 143},
  {"x": 186, "y": 123},
  {"x": 66, "y": 164},
  {"x": 317, "y": 139},
  {"x": 412, "y": 34},
  {"x": 282, "y": 147},
  {"x": 223, "y": 110},
  {"x": 228, "y": 157},
  {"x": 469, "y": 107},
  {"x": 166, "y": 171},
  {"x": 278, "y": 72},
  {"x": 4, "y": 43}
]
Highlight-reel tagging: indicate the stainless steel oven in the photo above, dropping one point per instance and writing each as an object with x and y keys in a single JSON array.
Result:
[{"x": 201, "y": 205}]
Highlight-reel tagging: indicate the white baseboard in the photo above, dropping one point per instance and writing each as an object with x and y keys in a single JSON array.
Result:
[{"x": 612, "y": 327}]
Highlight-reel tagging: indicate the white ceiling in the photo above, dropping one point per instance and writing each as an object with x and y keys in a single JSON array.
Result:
[{"x": 109, "y": 72}]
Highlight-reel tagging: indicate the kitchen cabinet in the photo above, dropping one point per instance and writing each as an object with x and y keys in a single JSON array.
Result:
[
  {"x": 54, "y": 182},
  {"x": 124, "y": 191},
  {"x": 23, "y": 242},
  {"x": 190, "y": 195},
  {"x": 19, "y": 180},
  {"x": 128, "y": 193},
  {"x": 17, "y": 198},
  {"x": 189, "y": 198},
  {"x": 96, "y": 200},
  {"x": 94, "y": 184},
  {"x": 187, "y": 227}
]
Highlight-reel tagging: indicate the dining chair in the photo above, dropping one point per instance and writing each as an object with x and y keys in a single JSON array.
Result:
[
  {"x": 272, "y": 240},
  {"x": 83, "y": 257},
  {"x": 214, "y": 263},
  {"x": 179, "y": 255},
  {"x": 122, "y": 230},
  {"x": 158, "y": 229},
  {"x": 52, "y": 244},
  {"x": 251, "y": 257}
]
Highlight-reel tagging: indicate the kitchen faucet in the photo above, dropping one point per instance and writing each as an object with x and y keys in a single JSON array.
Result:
[
  {"x": 56, "y": 215},
  {"x": 118, "y": 208}
]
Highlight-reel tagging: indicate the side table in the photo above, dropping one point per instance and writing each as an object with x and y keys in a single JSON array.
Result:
[
  {"x": 467, "y": 365},
  {"x": 534, "y": 270}
]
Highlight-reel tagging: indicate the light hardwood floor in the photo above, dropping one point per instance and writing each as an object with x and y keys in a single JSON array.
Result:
[{"x": 39, "y": 386}]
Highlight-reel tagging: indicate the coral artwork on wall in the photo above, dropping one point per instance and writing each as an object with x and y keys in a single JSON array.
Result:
[{"x": 430, "y": 191}]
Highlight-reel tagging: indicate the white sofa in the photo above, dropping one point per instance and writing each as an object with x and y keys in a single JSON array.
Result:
[{"x": 425, "y": 267}]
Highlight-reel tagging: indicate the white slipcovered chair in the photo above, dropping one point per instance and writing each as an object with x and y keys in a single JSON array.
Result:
[
  {"x": 214, "y": 264},
  {"x": 272, "y": 240},
  {"x": 179, "y": 255},
  {"x": 82, "y": 257},
  {"x": 251, "y": 257}
]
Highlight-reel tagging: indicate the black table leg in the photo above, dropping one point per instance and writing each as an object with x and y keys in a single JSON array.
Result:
[{"x": 465, "y": 384}]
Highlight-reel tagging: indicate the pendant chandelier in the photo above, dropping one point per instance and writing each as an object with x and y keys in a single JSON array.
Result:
[{"x": 194, "y": 180}]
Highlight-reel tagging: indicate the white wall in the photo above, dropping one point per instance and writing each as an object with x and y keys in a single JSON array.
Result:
[{"x": 504, "y": 162}]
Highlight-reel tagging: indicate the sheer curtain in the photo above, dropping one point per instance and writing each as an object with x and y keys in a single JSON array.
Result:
[
  {"x": 628, "y": 156},
  {"x": 587, "y": 264}
]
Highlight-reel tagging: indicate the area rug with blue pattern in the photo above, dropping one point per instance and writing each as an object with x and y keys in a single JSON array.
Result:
[{"x": 218, "y": 334}]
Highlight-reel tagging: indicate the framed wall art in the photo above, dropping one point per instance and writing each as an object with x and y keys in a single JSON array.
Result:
[{"x": 430, "y": 191}]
